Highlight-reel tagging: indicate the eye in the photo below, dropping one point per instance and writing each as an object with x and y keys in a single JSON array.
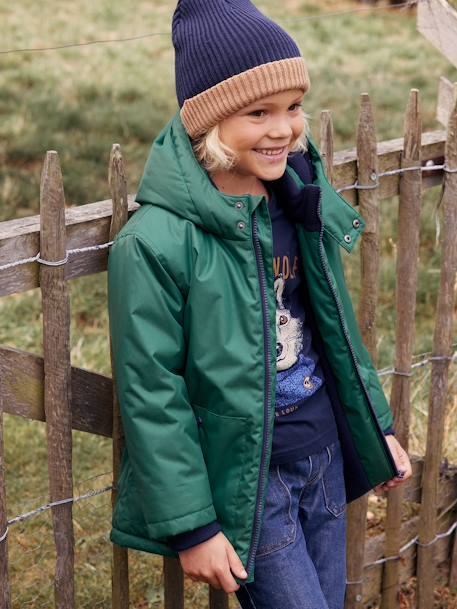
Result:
[
  {"x": 294, "y": 107},
  {"x": 283, "y": 319},
  {"x": 256, "y": 113}
]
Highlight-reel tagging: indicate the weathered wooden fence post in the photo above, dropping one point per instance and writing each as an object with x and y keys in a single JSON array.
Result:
[
  {"x": 442, "y": 347},
  {"x": 5, "y": 595},
  {"x": 173, "y": 583},
  {"x": 367, "y": 163},
  {"x": 326, "y": 142},
  {"x": 120, "y": 566},
  {"x": 409, "y": 208},
  {"x": 218, "y": 599},
  {"x": 57, "y": 372}
]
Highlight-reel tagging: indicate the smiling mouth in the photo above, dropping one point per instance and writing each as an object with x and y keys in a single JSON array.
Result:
[
  {"x": 270, "y": 151},
  {"x": 272, "y": 155}
]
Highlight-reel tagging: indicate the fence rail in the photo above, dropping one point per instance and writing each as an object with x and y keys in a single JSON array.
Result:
[{"x": 64, "y": 243}]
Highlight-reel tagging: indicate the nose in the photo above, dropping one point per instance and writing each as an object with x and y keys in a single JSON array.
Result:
[{"x": 281, "y": 129}]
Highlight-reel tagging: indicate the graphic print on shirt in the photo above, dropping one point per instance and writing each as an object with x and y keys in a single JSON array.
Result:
[{"x": 295, "y": 378}]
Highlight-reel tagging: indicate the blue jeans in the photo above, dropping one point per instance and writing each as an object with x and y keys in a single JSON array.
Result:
[{"x": 301, "y": 557}]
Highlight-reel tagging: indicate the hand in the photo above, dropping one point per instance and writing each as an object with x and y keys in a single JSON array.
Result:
[
  {"x": 213, "y": 561},
  {"x": 402, "y": 462}
]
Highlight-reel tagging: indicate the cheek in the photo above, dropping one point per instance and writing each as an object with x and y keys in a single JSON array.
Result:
[
  {"x": 298, "y": 126},
  {"x": 238, "y": 135}
]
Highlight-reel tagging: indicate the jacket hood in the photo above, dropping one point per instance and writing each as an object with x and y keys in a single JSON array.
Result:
[{"x": 174, "y": 180}]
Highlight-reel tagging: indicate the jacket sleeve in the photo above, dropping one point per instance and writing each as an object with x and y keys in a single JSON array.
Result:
[
  {"x": 187, "y": 540},
  {"x": 160, "y": 427}
]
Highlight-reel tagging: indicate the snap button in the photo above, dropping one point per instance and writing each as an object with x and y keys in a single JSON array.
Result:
[
  {"x": 241, "y": 225},
  {"x": 356, "y": 223},
  {"x": 348, "y": 238},
  {"x": 239, "y": 205}
]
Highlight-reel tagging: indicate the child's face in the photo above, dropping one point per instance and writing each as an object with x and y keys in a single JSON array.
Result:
[{"x": 262, "y": 134}]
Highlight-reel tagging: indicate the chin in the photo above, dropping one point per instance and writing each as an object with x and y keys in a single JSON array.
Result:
[{"x": 272, "y": 174}]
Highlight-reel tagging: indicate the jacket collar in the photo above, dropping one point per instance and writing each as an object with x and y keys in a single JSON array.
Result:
[{"x": 174, "y": 179}]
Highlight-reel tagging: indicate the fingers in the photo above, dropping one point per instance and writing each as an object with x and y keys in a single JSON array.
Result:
[
  {"x": 211, "y": 562},
  {"x": 226, "y": 580},
  {"x": 405, "y": 468},
  {"x": 235, "y": 563},
  {"x": 218, "y": 578}
]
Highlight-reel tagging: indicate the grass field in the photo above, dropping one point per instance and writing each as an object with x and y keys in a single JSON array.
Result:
[{"x": 79, "y": 101}]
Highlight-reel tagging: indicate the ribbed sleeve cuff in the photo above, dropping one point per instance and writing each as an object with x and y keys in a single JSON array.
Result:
[
  {"x": 189, "y": 539},
  {"x": 389, "y": 430}
]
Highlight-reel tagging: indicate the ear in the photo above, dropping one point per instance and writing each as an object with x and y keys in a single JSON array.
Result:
[{"x": 279, "y": 289}]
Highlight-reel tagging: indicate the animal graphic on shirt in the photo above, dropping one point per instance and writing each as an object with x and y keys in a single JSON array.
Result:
[{"x": 295, "y": 378}]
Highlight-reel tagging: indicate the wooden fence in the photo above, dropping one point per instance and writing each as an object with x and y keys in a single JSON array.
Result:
[{"x": 71, "y": 398}]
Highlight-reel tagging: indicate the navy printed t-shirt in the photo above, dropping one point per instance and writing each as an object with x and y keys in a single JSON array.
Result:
[{"x": 304, "y": 420}]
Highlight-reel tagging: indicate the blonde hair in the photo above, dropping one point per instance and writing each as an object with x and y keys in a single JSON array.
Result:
[{"x": 214, "y": 155}]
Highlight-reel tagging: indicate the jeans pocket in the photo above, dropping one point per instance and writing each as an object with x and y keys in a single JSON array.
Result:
[
  {"x": 278, "y": 524},
  {"x": 333, "y": 481}
]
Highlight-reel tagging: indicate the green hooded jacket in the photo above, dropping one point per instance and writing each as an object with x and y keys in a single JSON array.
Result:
[{"x": 192, "y": 319}]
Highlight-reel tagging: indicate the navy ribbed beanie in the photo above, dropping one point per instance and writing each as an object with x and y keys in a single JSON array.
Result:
[{"x": 227, "y": 55}]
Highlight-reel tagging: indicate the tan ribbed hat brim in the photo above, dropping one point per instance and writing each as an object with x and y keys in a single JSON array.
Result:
[{"x": 203, "y": 111}]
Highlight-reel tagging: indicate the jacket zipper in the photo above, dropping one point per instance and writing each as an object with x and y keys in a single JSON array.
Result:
[
  {"x": 346, "y": 334},
  {"x": 267, "y": 399}
]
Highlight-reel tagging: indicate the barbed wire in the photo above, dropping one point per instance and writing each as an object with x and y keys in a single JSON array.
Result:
[
  {"x": 420, "y": 364},
  {"x": 402, "y": 550},
  {"x": 375, "y": 177},
  {"x": 37, "y": 257},
  {"x": 93, "y": 493},
  {"x": 48, "y": 506},
  {"x": 403, "y": 5}
]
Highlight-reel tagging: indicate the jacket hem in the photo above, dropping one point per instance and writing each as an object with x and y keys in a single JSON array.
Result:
[{"x": 153, "y": 546}]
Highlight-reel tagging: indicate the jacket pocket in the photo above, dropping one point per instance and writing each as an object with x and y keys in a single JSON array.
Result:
[{"x": 223, "y": 440}]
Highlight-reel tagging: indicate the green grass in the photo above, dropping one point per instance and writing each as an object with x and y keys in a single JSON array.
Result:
[{"x": 79, "y": 101}]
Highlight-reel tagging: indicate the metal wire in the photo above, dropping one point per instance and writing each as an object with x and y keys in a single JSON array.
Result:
[
  {"x": 403, "y": 5},
  {"x": 48, "y": 506},
  {"x": 37, "y": 258},
  {"x": 411, "y": 542},
  {"x": 420, "y": 364},
  {"x": 375, "y": 177}
]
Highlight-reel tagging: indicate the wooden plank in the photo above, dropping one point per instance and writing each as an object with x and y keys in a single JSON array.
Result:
[
  {"x": 442, "y": 346},
  {"x": 87, "y": 225},
  {"x": 406, "y": 287},
  {"x": 375, "y": 545},
  {"x": 407, "y": 565},
  {"x": 369, "y": 258},
  {"x": 90, "y": 224},
  {"x": 389, "y": 158},
  {"x": 57, "y": 379},
  {"x": 120, "y": 564},
  {"x": 173, "y": 583},
  {"x": 447, "y": 96},
  {"x": 23, "y": 386},
  {"x": 437, "y": 21},
  {"x": 5, "y": 593}
]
